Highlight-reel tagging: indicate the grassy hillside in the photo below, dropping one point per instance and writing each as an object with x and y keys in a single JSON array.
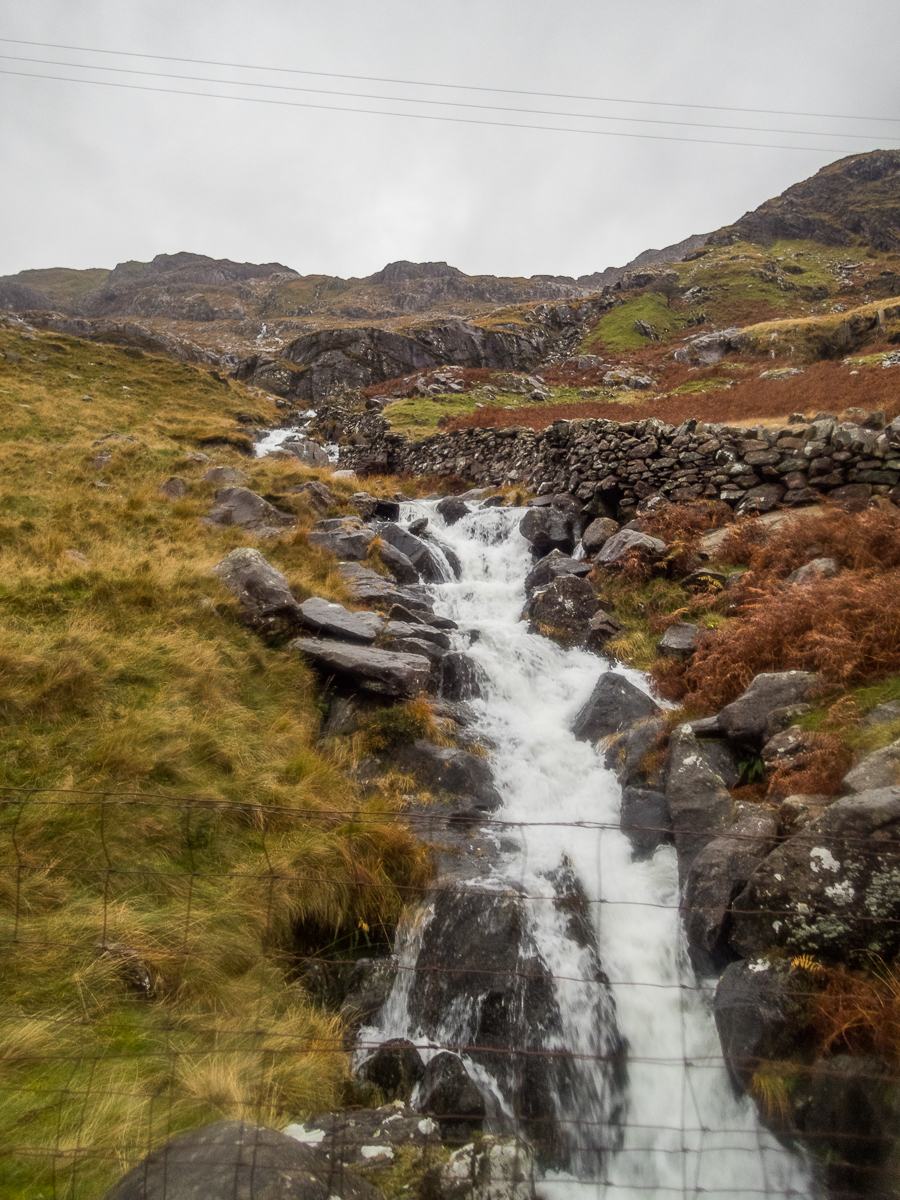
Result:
[
  {"x": 63, "y": 285},
  {"x": 166, "y": 818}
]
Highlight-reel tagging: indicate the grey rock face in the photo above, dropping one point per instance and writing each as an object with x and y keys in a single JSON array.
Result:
[
  {"x": 598, "y": 534},
  {"x": 449, "y": 1095},
  {"x": 832, "y": 889},
  {"x": 496, "y": 1169},
  {"x": 452, "y": 509},
  {"x": 551, "y": 566},
  {"x": 239, "y": 506},
  {"x": 613, "y": 705},
  {"x": 700, "y": 804},
  {"x": 308, "y": 452},
  {"x": 450, "y": 772},
  {"x": 349, "y": 1137},
  {"x": 718, "y": 873},
  {"x": 745, "y": 719},
  {"x": 460, "y": 678},
  {"x": 416, "y": 550},
  {"x": 263, "y": 593},
  {"x": 241, "y": 1161},
  {"x": 626, "y": 542},
  {"x": 753, "y": 1009},
  {"x": 627, "y": 754},
  {"x": 373, "y": 590},
  {"x": 333, "y": 620},
  {"x": 563, "y": 610},
  {"x": 679, "y": 641},
  {"x": 346, "y": 537},
  {"x": 383, "y": 671},
  {"x": 645, "y": 820},
  {"x": 548, "y": 528},
  {"x": 880, "y": 769}
]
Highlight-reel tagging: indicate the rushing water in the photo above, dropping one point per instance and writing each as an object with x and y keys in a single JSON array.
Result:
[{"x": 682, "y": 1131}]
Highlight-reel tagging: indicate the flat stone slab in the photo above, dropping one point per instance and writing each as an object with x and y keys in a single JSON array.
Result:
[
  {"x": 388, "y": 672},
  {"x": 333, "y": 620}
]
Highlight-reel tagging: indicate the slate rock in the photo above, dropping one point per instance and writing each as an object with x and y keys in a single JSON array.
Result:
[
  {"x": 452, "y": 509},
  {"x": 369, "y": 1137},
  {"x": 402, "y": 629},
  {"x": 613, "y": 705},
  {"x": 395, "y": 1067},
  {"x": 416, "y": 550},
  {"x": 346, "y": 537},
  {"x": 333, "y": 620},
  {"x": 242, "y": 1161},
  {"x": 718, "y": 873},
  {"x": 400, "y": 567},
  {"x": 225, "y": 475},
  {"x": 700, "y": 804},
  {"x": 368, "y": 985},
  {"x": 373, "y": 590},
  {"x": 880, "y": 769},
  {"x": 745, "y": 719},
  {"x": 550, "y": 567},
  {"x": 450, "y": 1096},
  {"x": 601, "y": 628},
  {"x": 460, "y": 677},
  {"x": 679, "y": 641},
  {"x": 755, "y": 1009},
  {"x": 308, "y": 452},
  {"x": 563, "y": 610},
  {"x": 598, "y": 534},
  {"x": 645, "y": 821},
  {"x": 240, "y": 506},
  {"x": 375, "y": 506},
  {"x": 173, "y": 489},
  {"x": 450, "y": 772},
  {"x": 832, "y": 889},
  {"x": 630, "y": 754},
  {"x": 415, "y": 645},
  {"x": 628, "y": 542},
  {"x": 266, "y": 600},
  {"x": 548, "y": 528},
  {"x": 385, "y": 672},
  {"x": 761, "y": 499}
]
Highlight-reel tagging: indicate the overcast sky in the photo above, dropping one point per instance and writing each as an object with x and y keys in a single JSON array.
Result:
[{"x": 95, "y": 175}]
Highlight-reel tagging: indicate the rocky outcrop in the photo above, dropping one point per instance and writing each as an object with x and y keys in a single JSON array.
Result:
[
  {"x": 614, "y": 705},
  {"x": 386, "y": 672}
]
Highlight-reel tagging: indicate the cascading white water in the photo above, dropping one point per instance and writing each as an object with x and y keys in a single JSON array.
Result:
[{"x": 684, "y": 1133}]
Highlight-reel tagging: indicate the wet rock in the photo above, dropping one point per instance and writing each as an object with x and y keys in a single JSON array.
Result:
[
  {"x": 460, "y": 677},
  {"x": 700, "y": 804},
  {"x": 601, "y": 629},
  {"x": 449, "y": 1095},
  {"x": 417, "y": 528},
  {"x": 266, "y": 600},
  {"x": 239, "y": 506},
  {"x": 880, "y": 769},
  {"x": 346, "y": 537},
  {"x": 416, "y": 550},
  {"x": 452, "y": 509},
  {"x": 831, "y": 889},
  {"x": 308, "y": 452},
  {"x": 629, "y": 543},
  {"x": 548, "y": 528},
  {"x": 563, "y": 610},
  {"x": 368, "y": 1138},
  {"x": 414, "y": 645},
  {"x": 551, "y": 566},
  {"x": 397, "y": 563},
  {"x": 395, "y": 1067},
  {"x": 755, "y": 1010},
  {"x": 645, "y": 821},
  {"x": 383, "y": 671},
  {"x": 744, "y": 720},
  {"x": 242, "y": 1161},
  {"x": 450, "y": 772},
  {"x": 367, "y": 987},
  {"x": 718, "y": 873},
  {"x": 427, "y": 633},
  {"x": 495, "y": 1169},
  {"x": 634, "y": 754},
  {"x": 333, "y": 620},
  {"x": 613, "y": 705},
  {"x": 679, "y": 641}
]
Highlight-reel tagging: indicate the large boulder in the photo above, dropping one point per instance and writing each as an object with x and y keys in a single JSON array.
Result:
[
  {"x": 631, "y": 754},
  {"x": 548, "y": 528},
  {"x": 450, "y": 1095},
  {"x": 563, "y": 610},
  {"x": 387, "y": 672},
  {"x": 756, "y": 1009},
  {"x": 242, "y": 1161},
  {"x": 461, "y": 677},
  {"x": 745, "y": 719},
  {"x": 645, "y": 820},
  {"x": 450, "y": 772},
  {"x": 240, "y": 506},
  {"x": 832, "y": 889},
  {"x": 598, "y": 534},
  {"x": 416, "y": 550},
  {"x": 613, "y": 705},
  {"x": 395, "y": 1067},
  {"x": 452, "y": 509},
  {"x": 700, "y": 803},
  {"x": 629, "y": 543},
  {"x": 879, "y": 769},
  {"x": 369, "y": 588},
  {"x": 267, "y": 602},
  {"x": 718, "y": 873}
]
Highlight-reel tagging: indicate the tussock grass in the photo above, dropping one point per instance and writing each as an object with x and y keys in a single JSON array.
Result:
[{"x": 162, "y": 790}]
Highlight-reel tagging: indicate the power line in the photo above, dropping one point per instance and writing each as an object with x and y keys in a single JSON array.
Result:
[
  {"x": 452, "y": 86},
  {"x": 542, "y": 112},
  {"x": 374, "y": 112}
]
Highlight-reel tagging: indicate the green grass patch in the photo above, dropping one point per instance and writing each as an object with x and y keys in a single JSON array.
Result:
[{"x": 616, "y": 330}]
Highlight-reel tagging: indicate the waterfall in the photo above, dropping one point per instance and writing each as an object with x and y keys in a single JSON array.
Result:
[{"x": 640, "y": 1099}]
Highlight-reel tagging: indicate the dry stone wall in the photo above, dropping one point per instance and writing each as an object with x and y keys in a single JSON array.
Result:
[{"x": 616, "y": 464}]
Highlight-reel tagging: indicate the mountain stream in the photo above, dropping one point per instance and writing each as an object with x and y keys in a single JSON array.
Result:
[{"x": 622, "y": 1075}]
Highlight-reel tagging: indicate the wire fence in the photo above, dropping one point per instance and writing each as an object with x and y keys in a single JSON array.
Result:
[{"x": 150, "y": 989}]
